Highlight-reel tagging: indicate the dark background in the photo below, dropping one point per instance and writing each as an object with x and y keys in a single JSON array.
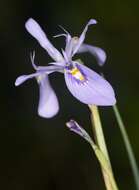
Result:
[{"x": 37, "y": 153}]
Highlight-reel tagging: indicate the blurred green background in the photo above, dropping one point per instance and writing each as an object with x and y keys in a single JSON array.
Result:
[{"x": 37, "y": 153}]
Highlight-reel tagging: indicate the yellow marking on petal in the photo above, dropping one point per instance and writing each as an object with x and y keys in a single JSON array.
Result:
[{"x": 77, "y": 74}]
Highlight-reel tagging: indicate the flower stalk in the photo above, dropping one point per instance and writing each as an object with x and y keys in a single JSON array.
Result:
[
  {"x": 109, "y": 180},
  {"x": 128, "y": 147},
  {"x": 106, "y": 169},
  {"x": 104, "y": 163}
]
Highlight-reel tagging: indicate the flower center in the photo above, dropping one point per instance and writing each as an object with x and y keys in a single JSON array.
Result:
[
  {"x": 77, "y": 74},
  {"x": 75, "y": 39}
]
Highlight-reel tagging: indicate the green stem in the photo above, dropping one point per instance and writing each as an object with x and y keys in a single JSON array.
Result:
[
  {"x": 128, "y": 146},
  {"x": 97, "y": 127},
  {"x": 109, "y": 179}
]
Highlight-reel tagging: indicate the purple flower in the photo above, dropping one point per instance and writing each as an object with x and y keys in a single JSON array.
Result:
[{"x": 83, "y": 83}]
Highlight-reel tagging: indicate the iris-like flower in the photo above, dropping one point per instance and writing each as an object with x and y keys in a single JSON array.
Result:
[{"x": 83, "y": 83}]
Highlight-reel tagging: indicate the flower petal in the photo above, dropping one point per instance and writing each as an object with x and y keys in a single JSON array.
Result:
[
  {"x": 99, "y": 53},
  {"x": 48, "y": 103},
  {"x": 82, "y": 36},
  {"x": 93, "y": 90},
  {"x": 35, "y": 30}
]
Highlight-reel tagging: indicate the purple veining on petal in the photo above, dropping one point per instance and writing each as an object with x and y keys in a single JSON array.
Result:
[
  {"x": 95, "y": 90},
  {"x": 73, "y": 66}
]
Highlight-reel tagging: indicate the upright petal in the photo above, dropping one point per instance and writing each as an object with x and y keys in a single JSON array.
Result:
[
  {"x": 92, "y": 90},
  {"x": 82, "y": 36},
  {"x": 36, "y": 31},
  {"x": 70, "y": 46},
  {"x": 68, "y": 38},
  {"x": 48, "y": 102},
  {"x": 97, "y": 52},
  {"x": 67, "y": 35}
]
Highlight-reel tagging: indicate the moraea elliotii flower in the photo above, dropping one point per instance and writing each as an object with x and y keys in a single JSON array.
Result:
[{"x": 83, "y": 83}]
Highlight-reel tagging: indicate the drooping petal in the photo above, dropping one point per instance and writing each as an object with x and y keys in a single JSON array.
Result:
[
  {"x": 36, "y": 31},
  {"x": 99, "y": 53},
  {"x": 82, "y": 36},
  {"x": 48, "y": 102},
  {"x": 92, "y": 90}
]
